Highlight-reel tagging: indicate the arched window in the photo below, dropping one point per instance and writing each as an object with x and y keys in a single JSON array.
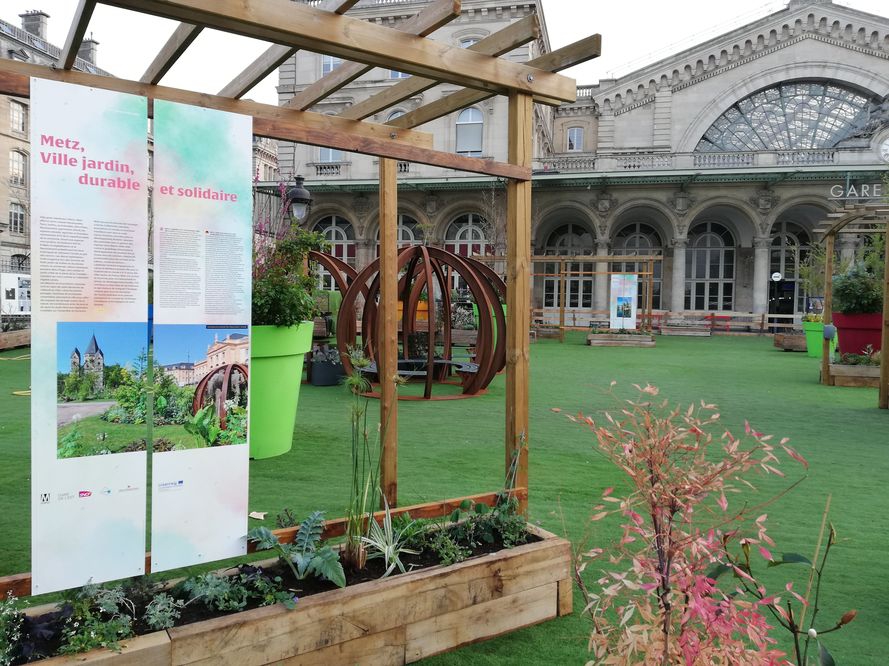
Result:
[
  {"x": 17, "y": 218},
  {"x": 640, "y": 239},
  {"x": 710, "y": 268},
  {"x": 339, "y": 233},
  {"x": 20, "y": 263},
  {"x": 470, "y": 125},
  {"x": 329, "y": 63},
  {"x": 467, "y": 236},
  {"x": 466, "y": 42},
  {"x": 569, "y": 240},
  {"x": 790, "y": 247},
  {"x": 409, "y": 233},
  {"x": 575, "y": 139},
  {"x": 789, "y": 116},
  {"x": 17, "y": 168}
]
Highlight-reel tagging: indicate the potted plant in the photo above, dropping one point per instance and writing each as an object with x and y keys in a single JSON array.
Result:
[
  {"x": 858, "y": 302},
  {"x": 283, "y": 311},
  {"x": 811, "y": 277},
  {"x": 813, "y": 327},
  {"x": 327, "y": 367}
]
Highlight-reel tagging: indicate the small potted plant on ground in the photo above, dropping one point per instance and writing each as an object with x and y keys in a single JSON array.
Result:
[
  {"x": 811, "y": 278},
  {"x": 283, "y": 311},
  {"x": 327, "y": 367}
]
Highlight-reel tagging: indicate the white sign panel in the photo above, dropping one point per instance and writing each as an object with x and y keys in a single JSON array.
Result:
[
  {"x": 203, "y": 236},
  {"x": 89, "y": 262},
  {"x": 623, "y": 302}
]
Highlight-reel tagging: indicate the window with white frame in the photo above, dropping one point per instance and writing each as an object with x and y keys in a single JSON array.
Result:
[
  {"x": 409, "y": 233},
  {"x": 339, "y": 233},
  {"x": 470, "y": 126},
  {"x": 330, "y": 155},
  {"x": 17, "y": 218},
  {"x": 329, "y": 63},
  {"x": 790, "y": 247},
  {"x": 575, "y": 139},
  {"x": 17, "y": 168},
  {"x": 710, "y": 268},
  {"x": 569, "y": 239},
  {"x": 467, "y": 236},
  {"x": 640, "y": 239},
  {"x": 18, "y": 117}
]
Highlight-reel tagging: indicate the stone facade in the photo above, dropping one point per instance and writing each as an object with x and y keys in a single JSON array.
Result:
[
  {"x": 626, "y": 168},
  {"x": 92, "y": 365},
  {"x": 235, "y": 348}
]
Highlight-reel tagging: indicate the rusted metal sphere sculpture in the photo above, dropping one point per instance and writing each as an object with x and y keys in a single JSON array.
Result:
[
  {"x": 429, "y": 271},
  {"x": 220, "y": 384}
]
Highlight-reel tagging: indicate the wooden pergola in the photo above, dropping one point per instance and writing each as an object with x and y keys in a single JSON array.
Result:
[
  {"x": 324, "y": 27},
  {"x": 862, "y": 219}
]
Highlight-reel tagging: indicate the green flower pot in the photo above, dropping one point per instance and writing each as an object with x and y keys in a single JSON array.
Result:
[
  {"x": 276, "y": 364},
  {"x": 814, "y": 331}
]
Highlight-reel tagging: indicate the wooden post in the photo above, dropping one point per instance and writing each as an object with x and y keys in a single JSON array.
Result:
[
  {"x": 884, "y": 341},
  {"x": 518, "y": 289},
  {"x": 387, "y": 329},
  {"x": 827, "y": 311},
  {"x": 649, "y": 300}
]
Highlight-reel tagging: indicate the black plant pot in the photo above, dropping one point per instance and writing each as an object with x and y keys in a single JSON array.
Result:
[{"x": 325, "y": 373}]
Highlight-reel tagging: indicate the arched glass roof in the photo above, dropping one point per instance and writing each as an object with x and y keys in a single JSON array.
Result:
[{"x": 795, "y": 115}]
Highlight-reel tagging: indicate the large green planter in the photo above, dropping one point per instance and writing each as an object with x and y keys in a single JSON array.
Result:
[
  {"x": 276, "y": 364},
  {"x": 814, "y": 331}
]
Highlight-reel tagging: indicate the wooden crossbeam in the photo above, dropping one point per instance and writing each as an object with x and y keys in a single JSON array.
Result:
[
  {"x": 277, "y": 122},
  {"x": 568, "y": 56},
  {"x": 303, "y": 26},
  {"x": 82, "y": 15},
  {"x": 503, "y": 41},
  {"x": 425, "y": 23},
  {"x": 20, "y": 584},
  {"x": 273, "y": 57},
  {"x": 170, "y": 52}
]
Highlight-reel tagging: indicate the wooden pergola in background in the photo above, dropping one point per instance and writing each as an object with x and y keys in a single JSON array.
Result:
[
  {"x": 324, "y": 28},
  {"x": 859, "y": 220}
]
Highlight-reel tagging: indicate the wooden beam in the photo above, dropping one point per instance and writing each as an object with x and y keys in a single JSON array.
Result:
[
  {"x": 387, "y": 329},
  {"x": 573, "y": 54},
  {"x": 274, "y": 57},
  {"x": 425, "y": 23},
  {"x": 884, "y": 340},
  {"x": 181, "y": 39},
  {"x": 20, "y": 584},
  {"x": 79, "y": 23},
  {"x": 303, "y": 26},
  {"x": 518, "y": 289},
  {"x": 276, "y": 122},
  {"x": 514, "y": 35}
]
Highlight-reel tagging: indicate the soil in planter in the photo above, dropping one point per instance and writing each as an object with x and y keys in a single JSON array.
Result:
[{"x": 42, "y": 634}]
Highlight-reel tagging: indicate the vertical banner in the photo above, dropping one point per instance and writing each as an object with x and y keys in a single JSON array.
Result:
[
  {"x": 89, "y": 256},
  {"x": 203, "y": 235},
  {"x": 624, "y": 296}
]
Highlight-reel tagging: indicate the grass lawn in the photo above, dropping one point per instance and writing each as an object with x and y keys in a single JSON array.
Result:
[
  {"x": 454, "y": 448},
  {"x": 99, "y": 435}
]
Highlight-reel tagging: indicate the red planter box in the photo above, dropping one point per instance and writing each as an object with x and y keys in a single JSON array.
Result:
[{"x": 857, "y": 331}]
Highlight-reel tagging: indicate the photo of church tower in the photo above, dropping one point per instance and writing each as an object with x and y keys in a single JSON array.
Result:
[{"x": 92, "y": 364}]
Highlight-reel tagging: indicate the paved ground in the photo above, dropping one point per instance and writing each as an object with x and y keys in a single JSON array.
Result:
[{"x": 68, "y": 410}]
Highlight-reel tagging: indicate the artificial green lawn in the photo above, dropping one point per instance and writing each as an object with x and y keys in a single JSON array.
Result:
[{"x": 453, "y": 448}]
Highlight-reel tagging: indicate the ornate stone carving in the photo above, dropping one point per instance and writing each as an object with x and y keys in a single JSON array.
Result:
[
  {"x": 762, "y": 242},
  {"x": 681, "y": 202},
  {"x": 603, "y": 203},
  {"x": 432, "y": 203},
  {"x": 361, "y": 205},
  {"x": 765, "y": 199}
]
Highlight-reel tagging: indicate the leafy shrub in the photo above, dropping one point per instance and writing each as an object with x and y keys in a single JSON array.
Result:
[
  {"x": 99, "y": 617},
  {"x": 857, "y": 291},
  {"x": 11, "y": 619}
]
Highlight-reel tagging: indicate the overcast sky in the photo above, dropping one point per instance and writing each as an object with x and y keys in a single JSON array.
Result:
[{"x": 634, "y": 33}]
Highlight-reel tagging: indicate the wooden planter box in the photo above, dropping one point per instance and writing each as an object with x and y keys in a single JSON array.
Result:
[
  {"x": 619, "y": 340},
  {"x": 855, "y": 375},
  {"x": 791, "y": 341},
  {"x": 396, "y": 620}
]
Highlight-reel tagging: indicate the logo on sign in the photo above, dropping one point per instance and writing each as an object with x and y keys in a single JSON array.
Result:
[
  {"x": 171, "y": 485},
  {"x": 106, "y": 491},
  {"x": 63, "y": 497},
  {"x": 44, "y": 498},
  {"x": 84, "y": 493}
]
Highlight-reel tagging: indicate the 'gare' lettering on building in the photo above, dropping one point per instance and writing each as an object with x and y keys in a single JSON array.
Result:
[{"x": 859, "y": 191}]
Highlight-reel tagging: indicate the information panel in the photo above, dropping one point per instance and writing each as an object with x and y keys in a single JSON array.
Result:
[
  {"x": 89, "y": 221},
  {"x": 202, "y": 282},
  {"x": 624, "y": 297}
]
